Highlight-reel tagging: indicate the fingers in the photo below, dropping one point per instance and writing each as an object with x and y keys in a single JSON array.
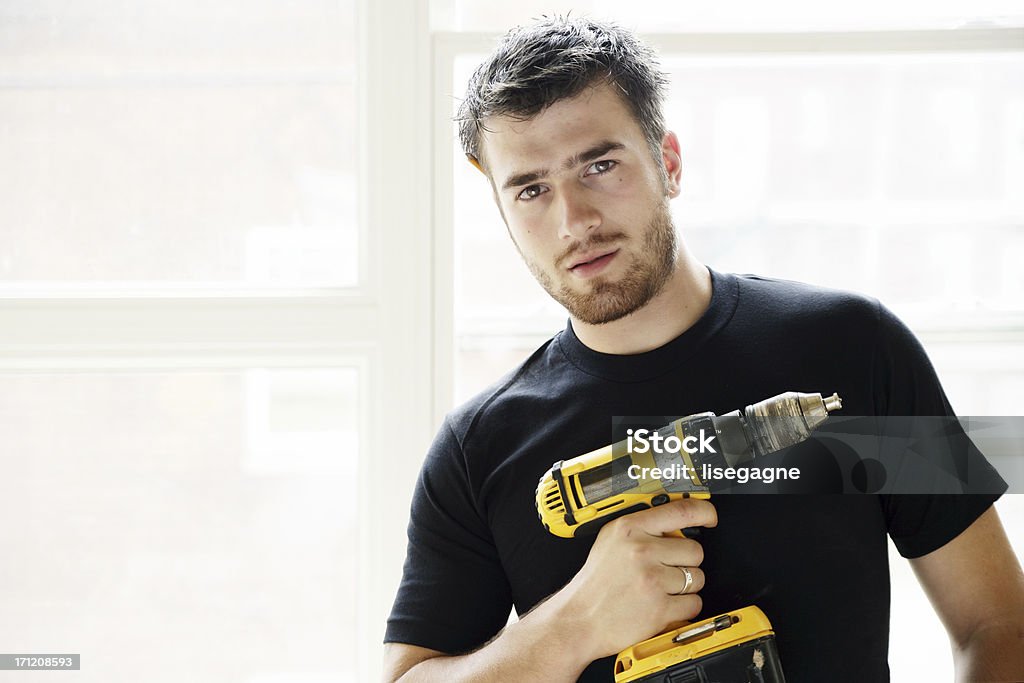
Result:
[
  {"x": 682, "y": 608},
  {"x": 678, "y": 514},
  {"x": 673, "y": 516},
  {"x": 675, "y": 581},
  {"x": 655, "y": 552},
  {"x": 679, "y": 552}
]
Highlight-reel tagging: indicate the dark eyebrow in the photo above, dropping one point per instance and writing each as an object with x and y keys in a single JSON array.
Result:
[{"x": 595, "y": 152}]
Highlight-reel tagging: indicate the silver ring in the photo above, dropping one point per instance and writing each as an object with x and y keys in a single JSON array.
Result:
[{"x": 689, "y": 580}]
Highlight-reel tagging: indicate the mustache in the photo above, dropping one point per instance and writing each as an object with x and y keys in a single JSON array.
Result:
[{"x": 579, "y": 247}]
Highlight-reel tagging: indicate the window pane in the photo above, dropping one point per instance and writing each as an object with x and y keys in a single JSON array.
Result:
[
  {"x": 178, "y": 146},
  {"x": 891, "y": 175},
  {"x": 107, "y": 37},
  {"x": 182, "y": 526}
]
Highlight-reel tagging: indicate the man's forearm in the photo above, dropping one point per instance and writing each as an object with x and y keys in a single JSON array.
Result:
[
  {"x": 994, "y": 652},
  {"x": 548, "y": 644}
]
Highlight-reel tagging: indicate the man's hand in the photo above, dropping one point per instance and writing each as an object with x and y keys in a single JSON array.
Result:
[
  {"x": 627, "y": 591},
  {"x": 630, "y": 587}
]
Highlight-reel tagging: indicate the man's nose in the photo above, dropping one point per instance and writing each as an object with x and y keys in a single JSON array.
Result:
[{"x": 579, "y": 215}]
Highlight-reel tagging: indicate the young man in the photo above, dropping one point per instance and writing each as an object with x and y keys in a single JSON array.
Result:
[{"x": 565, "y": 121}]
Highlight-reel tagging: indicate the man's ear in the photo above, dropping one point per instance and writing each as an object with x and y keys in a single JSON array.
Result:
[
  {"x": 476, "y": 163},
  {"x": 671, "y": 157}
]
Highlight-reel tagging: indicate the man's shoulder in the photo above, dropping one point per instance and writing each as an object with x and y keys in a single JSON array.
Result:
[
  {"x": 520, "y": 391},
  {"x": 779, "y": 292},
  {"x": 789, "y": 300}
]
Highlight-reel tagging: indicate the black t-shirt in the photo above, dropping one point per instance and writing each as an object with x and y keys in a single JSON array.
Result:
[{"x": 817, "y": 565}]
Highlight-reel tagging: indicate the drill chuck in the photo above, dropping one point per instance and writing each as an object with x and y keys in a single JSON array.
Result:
[
  {"x": 787, "y": 419},
  {"x": 768, "y": 426}
]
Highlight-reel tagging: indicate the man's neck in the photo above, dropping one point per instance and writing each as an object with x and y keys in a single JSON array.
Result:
[{"x": 679, "y": 304}]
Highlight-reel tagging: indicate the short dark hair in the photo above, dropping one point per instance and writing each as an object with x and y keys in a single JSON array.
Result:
[{"x": 557, "y": 58}]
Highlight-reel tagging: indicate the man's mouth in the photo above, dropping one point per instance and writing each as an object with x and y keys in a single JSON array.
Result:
[{"x": 589, "y": 264}]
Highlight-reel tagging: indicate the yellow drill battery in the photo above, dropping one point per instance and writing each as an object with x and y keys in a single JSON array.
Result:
[{"x": 737, "y": 647}]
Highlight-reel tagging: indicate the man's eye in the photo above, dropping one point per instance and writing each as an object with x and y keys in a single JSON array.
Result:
[
  {"x": 603, "y": 166},
  {"x": 531, "y": 192}
]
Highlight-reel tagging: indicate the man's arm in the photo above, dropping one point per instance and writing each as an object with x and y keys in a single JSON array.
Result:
[
  {"x": 977, "y": 588},
  {"x": 543, "y": 646},
  {"x": 626, "y": 592}
]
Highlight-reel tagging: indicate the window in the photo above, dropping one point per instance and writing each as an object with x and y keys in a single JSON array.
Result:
[
  {"x": 156, "y": 509},
  {"x": 176, "y": 148},
  {"x": 201, "y": 362}
]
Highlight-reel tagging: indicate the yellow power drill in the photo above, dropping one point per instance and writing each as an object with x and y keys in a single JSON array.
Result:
[{"x": 650, "y": 468}]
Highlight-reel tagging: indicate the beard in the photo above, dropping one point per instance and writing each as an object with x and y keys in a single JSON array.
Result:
[{"x": 605, "y": 300}]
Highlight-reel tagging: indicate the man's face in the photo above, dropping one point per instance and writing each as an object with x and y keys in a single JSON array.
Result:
[{"x": 585, "y": 202}]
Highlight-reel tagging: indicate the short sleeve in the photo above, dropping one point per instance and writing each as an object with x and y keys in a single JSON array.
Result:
[
  {"x": 905, "y": 384},
  {"x": 454, "y": 595}
]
